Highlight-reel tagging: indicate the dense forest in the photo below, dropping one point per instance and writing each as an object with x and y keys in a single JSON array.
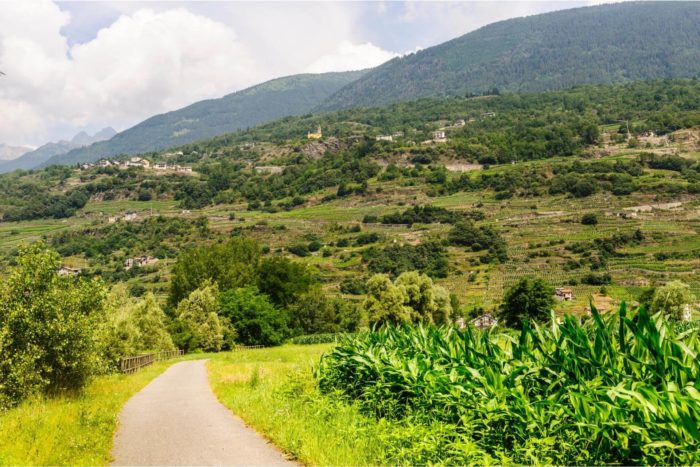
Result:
[{"x": 603, "y": 44}]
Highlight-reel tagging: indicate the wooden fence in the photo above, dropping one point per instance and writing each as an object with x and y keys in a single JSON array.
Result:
[
  {"x": 246, "y": 347},
  {"x": 135, "y": 363}
]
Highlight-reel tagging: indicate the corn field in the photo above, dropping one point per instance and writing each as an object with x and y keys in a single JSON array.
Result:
[{"x": 618, "y": 389}]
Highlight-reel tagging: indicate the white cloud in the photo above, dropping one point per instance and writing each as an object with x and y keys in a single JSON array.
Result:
[
  {"x": 349, "y": 56},
  {"x": 143, "y": 63}
]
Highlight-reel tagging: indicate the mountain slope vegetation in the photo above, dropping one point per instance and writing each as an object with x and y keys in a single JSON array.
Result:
[
  {"x": 502, "y": 196},
  {"x": 292, "y": 95},
  {"x": 603, "y": 44}
]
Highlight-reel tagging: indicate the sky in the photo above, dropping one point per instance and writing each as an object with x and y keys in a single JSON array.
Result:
[{"x": 72, "y": 66}]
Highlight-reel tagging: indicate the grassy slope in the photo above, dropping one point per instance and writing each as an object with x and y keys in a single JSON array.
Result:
[
  {"x": 273, "y": 391},
  {"x": 70, "y": 429}
]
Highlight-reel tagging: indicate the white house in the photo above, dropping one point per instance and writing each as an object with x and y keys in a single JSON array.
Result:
[
  {"x": 66, "y": 271},
  {"x": 564, "y": 294},
  {"x": 485, "y": 321}
]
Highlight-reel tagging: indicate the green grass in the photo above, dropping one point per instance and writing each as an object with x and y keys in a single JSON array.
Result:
[
  {"x": 70, "y": 429},
  {"x": 273, "y": 390}
]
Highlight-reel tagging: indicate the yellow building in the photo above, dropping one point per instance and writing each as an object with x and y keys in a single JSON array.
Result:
[{"x": 317, "y": 135}]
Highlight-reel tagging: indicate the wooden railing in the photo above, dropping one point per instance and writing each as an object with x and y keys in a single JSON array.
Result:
[
  {"x": 135, "y": 363},
  {"x": 237, "y": 348}
]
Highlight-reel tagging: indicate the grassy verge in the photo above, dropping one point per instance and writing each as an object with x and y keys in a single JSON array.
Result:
[
  {"x": 273, "y": 390},
  {"x": 70, "y": 429}
]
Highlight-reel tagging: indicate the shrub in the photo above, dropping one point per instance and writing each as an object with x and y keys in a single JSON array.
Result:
[
  {"x": 48, "y": 327},
  {"x": 299, "y": 249},
  {"x": 589, "y": 219}
]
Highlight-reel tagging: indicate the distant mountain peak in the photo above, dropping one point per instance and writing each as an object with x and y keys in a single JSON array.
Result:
[
  {"x": 104, "y": 133},
  {"x": 82, "y": 139}
]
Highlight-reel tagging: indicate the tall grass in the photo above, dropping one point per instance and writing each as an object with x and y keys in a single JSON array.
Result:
[
  {"x": 70, "y": 429},
  {"x": 618, "y": 389}
]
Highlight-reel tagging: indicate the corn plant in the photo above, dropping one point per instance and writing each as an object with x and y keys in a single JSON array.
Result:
[{"x": 617, "y": 389}]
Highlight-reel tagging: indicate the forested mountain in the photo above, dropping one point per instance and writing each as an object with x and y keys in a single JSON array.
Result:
[
  {"x": 603, "y": 44},
  {"x": 32, "y": 159},
  {"x": 292, "y": 95}
]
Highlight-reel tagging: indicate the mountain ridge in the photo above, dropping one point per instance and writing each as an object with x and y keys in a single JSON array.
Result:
[
  {"x": 268, "y": 101},
  {"x": 33, "y": 158},
  {"x": 603, "y": 44}
]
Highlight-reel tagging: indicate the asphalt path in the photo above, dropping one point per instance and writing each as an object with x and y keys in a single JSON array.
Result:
[{"x": 177, "y": 420}]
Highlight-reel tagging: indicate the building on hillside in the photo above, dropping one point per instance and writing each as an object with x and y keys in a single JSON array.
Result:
[
  {"x": 460, "y": 123},
  {"x": 66, "y": 271},
  {"x": 385, "y": 138},
  {"x": 137, "y": 162},
  {"x": 397, "y": 134},
  {"x": 485, "y": 321},
  {"x": 317, "y": 135},
  {"x": 687, "y": 313},
  {"x": 439, "y": 136},
  {"x": 104, "y": 163},
  {"x": 185, "y": 169},
  {"x": 269, "y": 169},
  {"x": 130, "y": 216},
  {"x": 564, "y": 294},
  {"x": 161, "y": 166},
  {"x": 139, "y": 261},
  {"x": 488, "y": 114}
]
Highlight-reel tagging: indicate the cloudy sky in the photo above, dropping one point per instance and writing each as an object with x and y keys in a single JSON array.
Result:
[{"x": 71, "y": 66}]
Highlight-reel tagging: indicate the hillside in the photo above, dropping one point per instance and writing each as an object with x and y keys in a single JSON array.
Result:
[
  {"x": 602, "y": 44},
  {"x": 32, "y": 159},
  {"x": 293, "y": 95},
  {"x": 500, "y": 198}
]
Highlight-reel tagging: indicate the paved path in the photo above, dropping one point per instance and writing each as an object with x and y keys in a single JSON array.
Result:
[{"x": 177, "y": 420}]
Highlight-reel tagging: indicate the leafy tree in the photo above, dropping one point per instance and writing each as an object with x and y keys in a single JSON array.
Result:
[
  {"x": 412, "y": 298},
  {"x": 672, "y": 300},
  {"x": 149, "y": 319},
  {"x": 256, "y": 320},
  {"x": 198, "y": 312},
  {"x": 283, "y": 280},
  {"x": 230, "y": 265},
  {"x": 47, "y": 327},
  {"x": 529, "y": 299},
  {"x": 316, "y": 313}
]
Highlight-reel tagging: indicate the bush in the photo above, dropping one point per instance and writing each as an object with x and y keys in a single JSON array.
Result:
[
  {"x": 48, "y": 327},
  {"x": 589, "y": 219},
  {"x": 299, "y": 249}
]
